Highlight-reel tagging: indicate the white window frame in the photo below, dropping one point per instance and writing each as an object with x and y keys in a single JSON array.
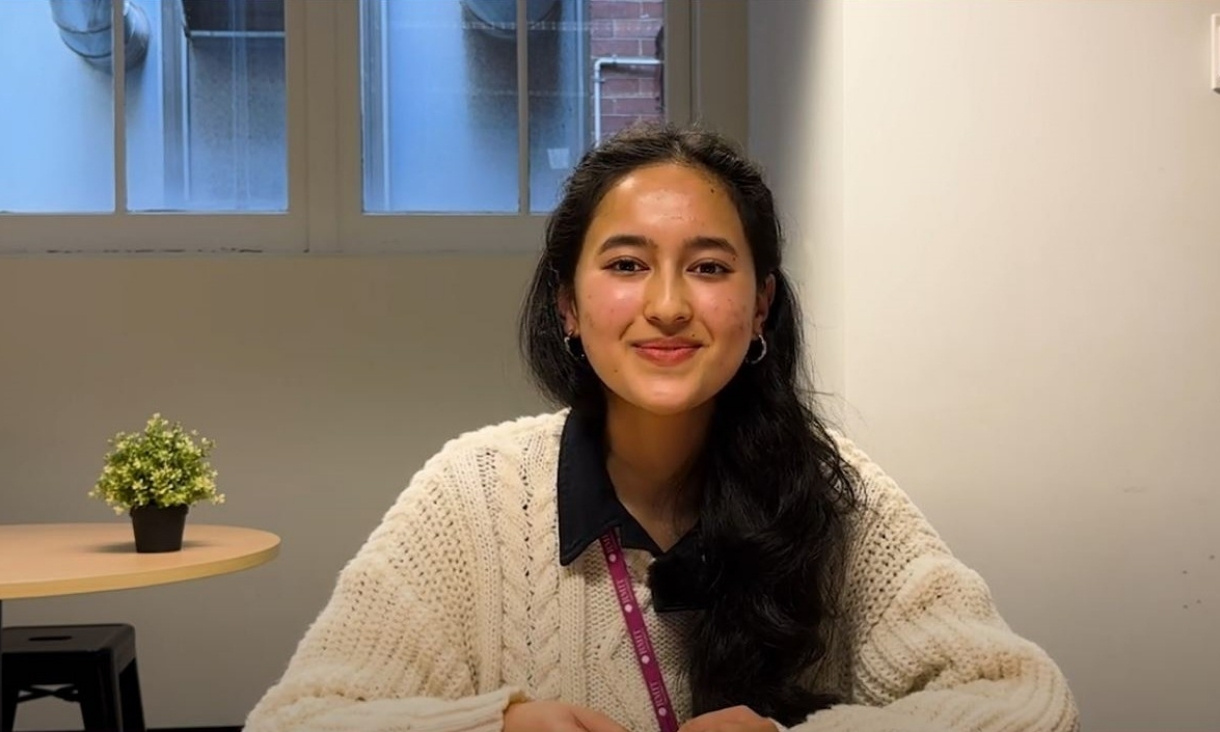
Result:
[{"x": 325, "y": 177}]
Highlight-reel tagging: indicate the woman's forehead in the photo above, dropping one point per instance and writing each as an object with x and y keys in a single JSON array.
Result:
[{"x": 667, "y": 202}]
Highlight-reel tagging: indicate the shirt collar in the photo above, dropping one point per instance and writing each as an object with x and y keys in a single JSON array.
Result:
[{"x": 588, "y": 508}]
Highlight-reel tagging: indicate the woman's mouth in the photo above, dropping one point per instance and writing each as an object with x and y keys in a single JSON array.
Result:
[{"x": 667, "y": 352}]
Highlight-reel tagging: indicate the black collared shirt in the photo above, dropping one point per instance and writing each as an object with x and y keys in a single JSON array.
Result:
[{"x": 588, "y": 508}]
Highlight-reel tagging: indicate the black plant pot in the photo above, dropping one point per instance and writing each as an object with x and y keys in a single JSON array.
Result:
[{"x": 158, "y": 529}]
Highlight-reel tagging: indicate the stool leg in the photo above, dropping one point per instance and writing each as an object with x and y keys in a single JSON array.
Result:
[
  {"x": 132, "y": 704},
  {"x": 8, "y": 705},
  {"x": 99, "y": 695}
]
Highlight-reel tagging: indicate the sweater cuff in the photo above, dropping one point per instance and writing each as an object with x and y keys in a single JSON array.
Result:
[
  {"x": 484, "y": 713},
  {"x": 854, "y": 718}
]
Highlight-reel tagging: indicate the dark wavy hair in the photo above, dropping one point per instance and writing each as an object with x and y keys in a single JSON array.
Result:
[{"x": 773, "y": 491}]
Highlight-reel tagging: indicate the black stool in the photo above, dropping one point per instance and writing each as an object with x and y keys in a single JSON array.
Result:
[{"x": 92, "y": 665}]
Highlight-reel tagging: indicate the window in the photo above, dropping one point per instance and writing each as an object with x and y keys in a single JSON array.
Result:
[
  {"x": 56, "y": 139},
  {"x": 204, "y": 111},
  {"x": 442, "y": 90},
  {"x": 184, "y": 146},
  {"x": 299, "y": 125}
]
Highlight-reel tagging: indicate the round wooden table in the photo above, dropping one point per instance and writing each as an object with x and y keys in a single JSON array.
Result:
[
  {"x": 45, "y": 560},
  {"x": 42, "y": 560}
]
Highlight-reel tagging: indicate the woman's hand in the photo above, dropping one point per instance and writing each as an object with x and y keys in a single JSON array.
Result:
[
  {"x": 551, "y": 716},
  {"x": 733, "y": 719}
]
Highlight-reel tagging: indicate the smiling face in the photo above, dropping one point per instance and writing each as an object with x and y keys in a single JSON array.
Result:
[{"x": 665, "y": 297}]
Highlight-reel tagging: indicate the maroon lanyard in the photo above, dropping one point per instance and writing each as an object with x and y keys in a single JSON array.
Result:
[{"x": 640, "y": 639}]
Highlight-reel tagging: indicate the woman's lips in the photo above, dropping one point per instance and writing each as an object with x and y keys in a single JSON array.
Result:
[{"x": 666, "y": 355}]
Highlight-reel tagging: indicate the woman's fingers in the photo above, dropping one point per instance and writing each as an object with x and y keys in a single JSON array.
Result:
[
  {"x": 594, "y": 721},
  {"x": 733, "y": 719}
]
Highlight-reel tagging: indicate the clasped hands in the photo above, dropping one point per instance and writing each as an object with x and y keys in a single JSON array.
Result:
[{"x": 552, "y": 716}]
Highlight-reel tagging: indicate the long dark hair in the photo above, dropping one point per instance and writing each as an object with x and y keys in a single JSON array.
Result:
[{"x": 774, "y": 493}]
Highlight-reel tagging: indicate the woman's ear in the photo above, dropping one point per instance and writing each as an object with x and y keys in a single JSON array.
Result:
[
  {"x": 567, "y": 312},
  {"x": 762, "y": 307}
]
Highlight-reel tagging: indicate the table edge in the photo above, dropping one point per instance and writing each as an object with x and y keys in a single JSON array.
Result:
[{"x": 137, "y": 580}]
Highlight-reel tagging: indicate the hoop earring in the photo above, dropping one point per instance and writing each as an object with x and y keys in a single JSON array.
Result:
[
  {"x": 761, "y": 354},
  {"x": 567, "y": 344}
]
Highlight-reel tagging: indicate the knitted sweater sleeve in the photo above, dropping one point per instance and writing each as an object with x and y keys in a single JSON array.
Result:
[
  {"x": 932, "y": 653},
  {"x": 393, "y": 648}
]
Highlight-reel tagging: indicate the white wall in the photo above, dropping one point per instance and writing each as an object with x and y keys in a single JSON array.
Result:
[
  {"x": 796, "y": 131},
  {"x": 325, "y": 382},
  {"x": 1021, "y": 207}
]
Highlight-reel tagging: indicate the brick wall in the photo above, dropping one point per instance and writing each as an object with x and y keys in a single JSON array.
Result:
[{"x": 627, "y": 28}]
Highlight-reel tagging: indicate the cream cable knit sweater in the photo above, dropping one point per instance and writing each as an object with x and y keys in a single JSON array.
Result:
[{"x": 457, "y": 604}]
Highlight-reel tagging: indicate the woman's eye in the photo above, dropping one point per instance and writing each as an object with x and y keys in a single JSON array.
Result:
[
  {"x": 625, "y": 265},
  {"x": 711, "y": 268}
]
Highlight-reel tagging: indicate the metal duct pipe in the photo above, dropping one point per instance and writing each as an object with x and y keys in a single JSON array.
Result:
[
  {"x": 85, "y": 27},
  {"x": 499, "y": 18},
  {"x": 612, "y": 62}
]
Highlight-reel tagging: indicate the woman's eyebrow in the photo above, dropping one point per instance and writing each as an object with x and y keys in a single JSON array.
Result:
[{"x": 696, "y": 243}]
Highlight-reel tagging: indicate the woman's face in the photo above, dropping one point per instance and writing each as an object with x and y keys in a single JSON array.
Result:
[{"x": 664, "y": 298}]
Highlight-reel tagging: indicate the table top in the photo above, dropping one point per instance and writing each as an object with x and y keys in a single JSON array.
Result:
[{"x": 44, "y": 560}]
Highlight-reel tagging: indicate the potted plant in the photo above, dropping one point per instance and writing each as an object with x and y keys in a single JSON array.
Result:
[{"x": 156, "y": 476}]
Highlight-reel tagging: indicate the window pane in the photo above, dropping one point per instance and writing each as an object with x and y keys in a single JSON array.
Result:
[
  {"x": 592, "y": 73},
  {"x": 206, "y": 111},
  {"x": 439, "y": 83},
  {"x": 56, "y": 113},
  {"x": 440, "y": 96}
]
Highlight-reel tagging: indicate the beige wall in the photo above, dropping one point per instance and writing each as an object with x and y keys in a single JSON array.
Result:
[
  {"x": 325, "y": 383},
  {"x": 1021, "y": 201}
]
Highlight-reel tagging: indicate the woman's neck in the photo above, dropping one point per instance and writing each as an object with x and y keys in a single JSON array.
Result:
[{"x": 649, "y": 457}]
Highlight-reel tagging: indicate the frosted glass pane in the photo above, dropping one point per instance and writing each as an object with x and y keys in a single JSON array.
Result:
[
  {"x": 440, "y": 106},
  {"x": 440, "y": 93},
  {"x": 206, "y": 114}
]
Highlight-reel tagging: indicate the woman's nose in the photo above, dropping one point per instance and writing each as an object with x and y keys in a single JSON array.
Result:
[{"x": 667, "y": 301}]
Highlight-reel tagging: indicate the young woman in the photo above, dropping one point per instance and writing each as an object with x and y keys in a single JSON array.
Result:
[{"x": 684, "y": 546}]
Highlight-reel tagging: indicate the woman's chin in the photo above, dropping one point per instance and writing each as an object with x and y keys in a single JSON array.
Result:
[
  {"x": 666, "y": 409},
  {"x": 665, "y": 404}
]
